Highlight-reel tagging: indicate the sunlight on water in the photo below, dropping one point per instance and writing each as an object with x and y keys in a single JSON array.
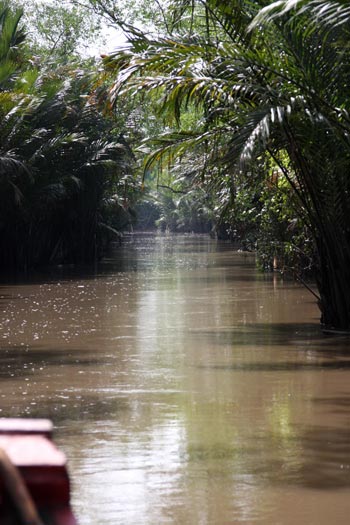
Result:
[{"x": 185, "y": 387}]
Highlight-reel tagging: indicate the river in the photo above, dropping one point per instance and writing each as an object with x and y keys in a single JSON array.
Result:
[{"x": 185, "y": 387}]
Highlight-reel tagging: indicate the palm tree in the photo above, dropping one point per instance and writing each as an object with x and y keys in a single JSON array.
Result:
[
  {"x": 64, "y": 163},
  {"x": 265, "y": 80},
  {"x": 11, "y": 37}
]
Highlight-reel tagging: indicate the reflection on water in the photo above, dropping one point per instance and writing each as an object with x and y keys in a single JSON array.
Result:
[{"x": 184, "y": 386}]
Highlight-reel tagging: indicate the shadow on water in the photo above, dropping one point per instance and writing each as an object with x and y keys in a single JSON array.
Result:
[
  {"x": 281, "y": 367},
  {"x": 88, "y": 408},
  {"x": 91, "y": 407},
  {"x": 6, "y": 297},
  {"x": 313, "y": 459},
  {"x": 135, "y": 255},
  {"x": 325, "y": 453},
  {"x": 335, "y": 404},
  {"x": 70, "y": 403},
  {"x": 286, "y": 334},
  {"x": 18, "y": 360}
]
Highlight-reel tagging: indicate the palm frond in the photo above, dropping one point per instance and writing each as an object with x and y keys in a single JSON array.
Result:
[
  {"x": 170, "y": 146},
  {"x": 320, "y": 13},
  {"x": 10, "y": 166}
]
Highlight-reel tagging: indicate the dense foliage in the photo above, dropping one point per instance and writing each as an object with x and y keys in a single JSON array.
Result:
[
  {"x": 264, "y": 81},
  {"x": 65, "y": 170},
  {"x": 240, "y": 110}
]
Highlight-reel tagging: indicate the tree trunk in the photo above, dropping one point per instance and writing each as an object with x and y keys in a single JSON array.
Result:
[{"x": 334, "y": 282}]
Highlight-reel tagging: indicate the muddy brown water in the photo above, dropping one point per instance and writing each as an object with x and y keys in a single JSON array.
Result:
[{"x": 184, "y": 386}]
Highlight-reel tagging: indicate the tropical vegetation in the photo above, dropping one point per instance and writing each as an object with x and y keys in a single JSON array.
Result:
[
  {"x": 239, "y": 111},
  {"x": 65, "y": 169},
  {"x": 266, "y": 82}
]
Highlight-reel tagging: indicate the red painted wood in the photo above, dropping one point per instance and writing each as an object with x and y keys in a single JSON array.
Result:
[
  {"x": 31, "y": 450},
  {"x": 43, "y": 468},
  {"x": 26, "y": 426}
]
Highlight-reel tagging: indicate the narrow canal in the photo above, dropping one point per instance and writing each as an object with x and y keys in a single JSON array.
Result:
[{"x": 185, "y": 388}]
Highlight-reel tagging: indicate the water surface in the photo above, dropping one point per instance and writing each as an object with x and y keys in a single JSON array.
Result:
[{"x": 185, "y": 387}]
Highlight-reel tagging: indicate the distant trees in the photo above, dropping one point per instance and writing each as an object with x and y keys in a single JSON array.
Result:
[
  {"x": 60, "y": 31},
  {"x": 265, "y": 81}
]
